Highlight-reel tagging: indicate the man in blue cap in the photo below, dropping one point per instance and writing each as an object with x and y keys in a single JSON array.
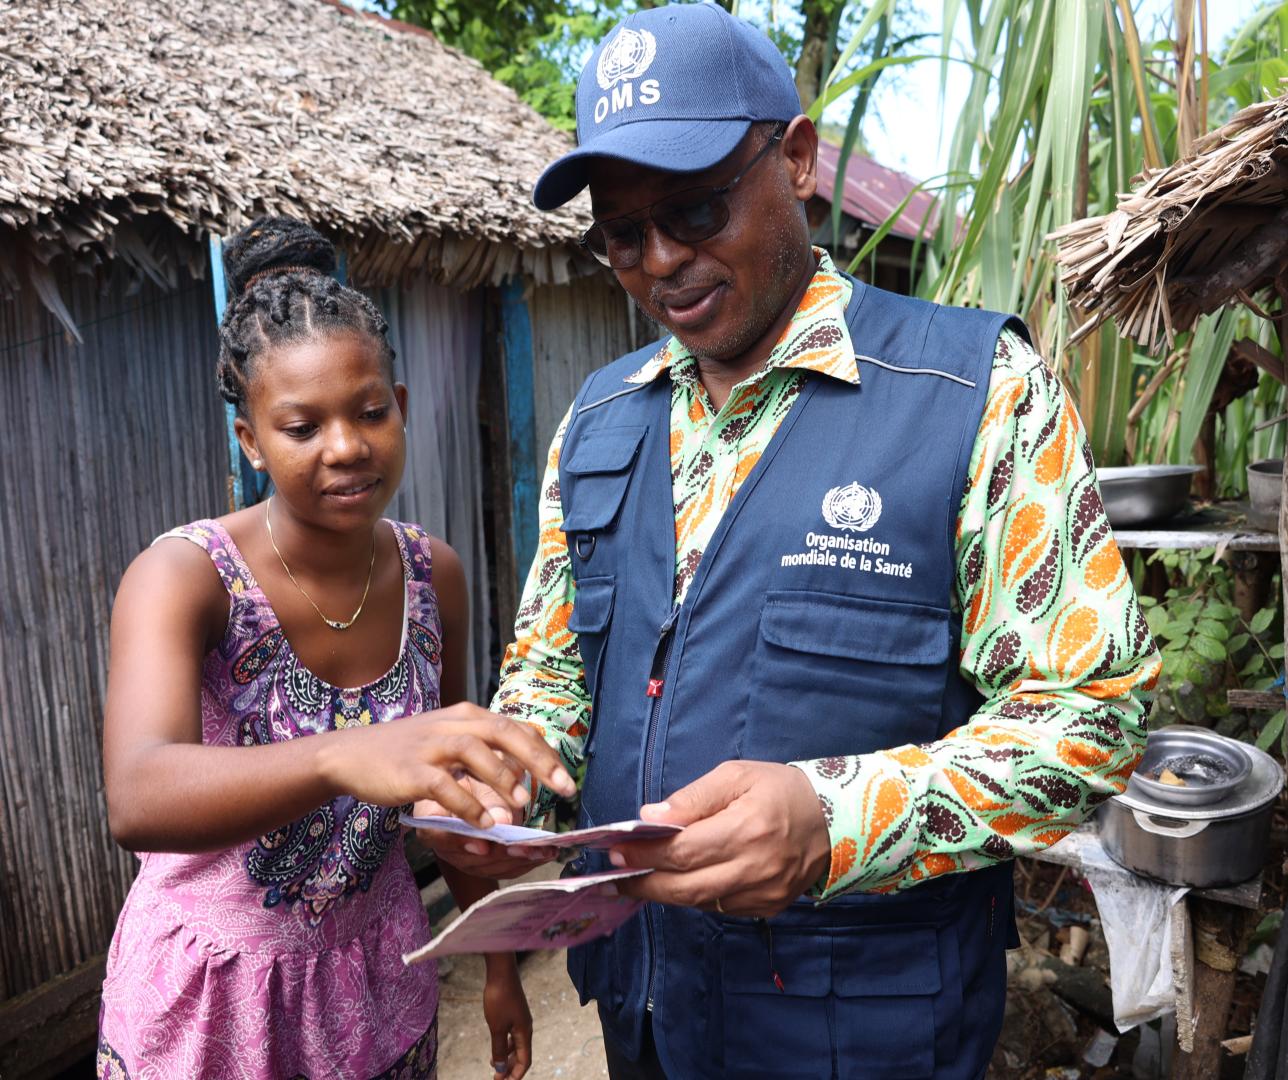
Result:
[{"x": 823, "y": 577}]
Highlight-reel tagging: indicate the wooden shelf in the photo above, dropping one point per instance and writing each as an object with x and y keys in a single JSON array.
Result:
[
  {"x": 1221, "y": 525},
  {"x": 1082, "y": 849}
]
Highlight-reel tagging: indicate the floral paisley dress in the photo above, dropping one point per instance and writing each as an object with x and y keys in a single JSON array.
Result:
[{"x": 281, "y": 958}]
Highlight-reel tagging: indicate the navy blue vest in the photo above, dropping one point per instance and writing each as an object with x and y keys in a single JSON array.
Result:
[{"x": 818, "y": 624}]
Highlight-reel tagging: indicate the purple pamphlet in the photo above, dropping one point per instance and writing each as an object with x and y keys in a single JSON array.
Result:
[
  {"x": 596, "y": 839},
  {"x": 536, "y": 915}
]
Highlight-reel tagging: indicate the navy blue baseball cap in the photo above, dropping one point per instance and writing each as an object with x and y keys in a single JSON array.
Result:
[{"x": 673, "y": 88}]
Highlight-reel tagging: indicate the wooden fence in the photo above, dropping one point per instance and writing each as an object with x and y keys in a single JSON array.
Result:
[{"x": 104, "y": 446}]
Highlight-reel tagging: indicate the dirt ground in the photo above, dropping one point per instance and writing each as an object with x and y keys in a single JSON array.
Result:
[{"x": 567, "y": 1042}]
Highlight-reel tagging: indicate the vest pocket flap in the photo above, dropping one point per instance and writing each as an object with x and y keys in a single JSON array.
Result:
[
  {"x": 592, "y": 605},
  {"x": 604, "y": 450},
  {"x": 886, "y": 962},
  {"x": 804, "y": 961},
  {"x": 828, "y": 624},
  {"x": 595, "y": 501},
  {"x": 599, "y": 472}
]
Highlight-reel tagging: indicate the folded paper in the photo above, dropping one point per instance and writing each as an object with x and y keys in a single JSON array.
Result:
[
  {"x": 537, "y": 915},
  {"x": 598, "y": 838}
]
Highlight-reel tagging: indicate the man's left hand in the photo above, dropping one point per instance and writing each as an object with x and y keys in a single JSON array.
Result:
[{"x": 755, "y": 840}]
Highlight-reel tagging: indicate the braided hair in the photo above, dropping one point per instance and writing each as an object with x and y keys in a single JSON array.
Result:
[{"x": 278, "y": 271}]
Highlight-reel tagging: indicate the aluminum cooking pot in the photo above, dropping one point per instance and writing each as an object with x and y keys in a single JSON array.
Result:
[{"x": 1220, "y": 843}]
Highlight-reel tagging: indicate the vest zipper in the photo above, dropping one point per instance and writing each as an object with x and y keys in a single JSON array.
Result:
[
  {"x": 657, "y": 674},
  {"x": 654, "y": 690}
]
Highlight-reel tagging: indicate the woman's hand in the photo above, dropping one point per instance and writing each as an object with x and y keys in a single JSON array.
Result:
[
  {"x": 505, "y": 1007},
  {"x": 422, "y": 757},
  {"x": 479, "y": 857}
]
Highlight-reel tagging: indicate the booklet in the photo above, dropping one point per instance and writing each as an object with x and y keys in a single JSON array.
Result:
[
  {"x": 596, "y": 839},
  {"x": 536, "y": 915}
]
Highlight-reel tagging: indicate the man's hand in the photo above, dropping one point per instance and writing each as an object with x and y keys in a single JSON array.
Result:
[
  {"x": 756, "y": 839},
  {"x": 478, "y": 857}
]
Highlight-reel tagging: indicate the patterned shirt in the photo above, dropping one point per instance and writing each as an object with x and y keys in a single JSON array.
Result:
[{"x": 1052, "y": 635}]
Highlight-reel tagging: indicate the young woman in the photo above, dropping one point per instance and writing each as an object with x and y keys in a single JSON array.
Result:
[{"x": 259, "y": 663}]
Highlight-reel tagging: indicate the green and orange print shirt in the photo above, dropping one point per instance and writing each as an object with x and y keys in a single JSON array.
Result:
[{"x": 1051, "y": 632}]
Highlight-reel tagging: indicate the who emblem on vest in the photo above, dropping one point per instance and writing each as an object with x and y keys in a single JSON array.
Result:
[{"x": 853, "y": 507}]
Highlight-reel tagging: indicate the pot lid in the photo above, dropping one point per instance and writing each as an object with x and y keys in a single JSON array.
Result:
[{"x": 1262, "y": 784}]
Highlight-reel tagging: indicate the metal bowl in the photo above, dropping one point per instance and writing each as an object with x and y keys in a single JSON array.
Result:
[
  {"x": 1138, "y": 494},
  {"x": 1213, "y": 764}
]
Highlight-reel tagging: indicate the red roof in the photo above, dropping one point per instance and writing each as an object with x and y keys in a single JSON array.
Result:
[{"x": 873, "y": 192}]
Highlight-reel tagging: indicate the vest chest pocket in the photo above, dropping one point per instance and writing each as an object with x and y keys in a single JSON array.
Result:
[
  {"x": 834, "y": 675},
  {"x": 854, "y": 1004},
  {"x": 597, "y": 473}
]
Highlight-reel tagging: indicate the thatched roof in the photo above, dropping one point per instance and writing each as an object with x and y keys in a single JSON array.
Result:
[
  {"x": 1210, "y": 230},
  {"x": 209, "y": 112}
]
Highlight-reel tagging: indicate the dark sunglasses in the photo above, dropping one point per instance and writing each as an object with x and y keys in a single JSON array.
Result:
[{"x": 687, "y": 217}]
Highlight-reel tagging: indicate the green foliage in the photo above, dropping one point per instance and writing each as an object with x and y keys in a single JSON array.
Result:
[
  {"x": 1238, "y": 440},
  {"x": 1267, "y": 930},
  {"x": 1064, "y": 106},
  {"x": 536, "y": 47},
  {"x": 544, "y": 74},
  {"x": 1209, "y": 648}
]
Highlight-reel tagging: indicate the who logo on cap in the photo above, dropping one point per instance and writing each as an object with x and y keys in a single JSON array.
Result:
[
  {"x": 673, "y": 88},
  {"x": 624, "y": 58}
]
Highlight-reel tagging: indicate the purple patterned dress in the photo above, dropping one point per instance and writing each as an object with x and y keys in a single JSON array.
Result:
[{"x": 281, "y": 958}]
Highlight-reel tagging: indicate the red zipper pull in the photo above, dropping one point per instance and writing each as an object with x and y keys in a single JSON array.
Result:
[
  {"x": 767, "y": 932},
  {"x": 657, "y": 676}
]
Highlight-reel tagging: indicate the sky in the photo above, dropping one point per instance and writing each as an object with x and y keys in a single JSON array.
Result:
[{"x": 905, "y": 133}]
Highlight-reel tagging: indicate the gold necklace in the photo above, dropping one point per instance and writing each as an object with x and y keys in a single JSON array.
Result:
[{"x": 268, "y": 520}]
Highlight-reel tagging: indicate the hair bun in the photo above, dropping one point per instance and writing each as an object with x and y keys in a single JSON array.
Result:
[{"x": 271, "y": 242}]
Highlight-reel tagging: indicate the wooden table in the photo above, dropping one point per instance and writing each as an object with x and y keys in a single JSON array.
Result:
[{"x": 1082, "y": 850}]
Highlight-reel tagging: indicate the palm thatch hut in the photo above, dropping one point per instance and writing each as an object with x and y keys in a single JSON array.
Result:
[
  {"x": 1208, "y": 231},
  {"x": 132, "y": 136}
]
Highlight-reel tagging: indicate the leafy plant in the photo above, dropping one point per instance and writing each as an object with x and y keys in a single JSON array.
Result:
[
  {"x": 536, "y": 47},
  {"x": 1065, "y": 104},
  {"x": 1208, "y": 647}
]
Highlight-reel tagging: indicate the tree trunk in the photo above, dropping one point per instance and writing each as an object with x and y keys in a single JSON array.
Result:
[{"x": 809, "y": 68}]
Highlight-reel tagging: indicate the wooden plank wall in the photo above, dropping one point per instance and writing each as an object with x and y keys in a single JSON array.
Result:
[
  {"x": 575, "y": 329},
  {"x": 437, "y": 333},
  {"x": 104, "y": 446},
  {"x": 524, "y": 448},
  {"x": 549, "y": 339}
]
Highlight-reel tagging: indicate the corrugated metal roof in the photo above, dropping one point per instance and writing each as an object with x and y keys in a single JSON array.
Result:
[{"x": 872, "y": 193}]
